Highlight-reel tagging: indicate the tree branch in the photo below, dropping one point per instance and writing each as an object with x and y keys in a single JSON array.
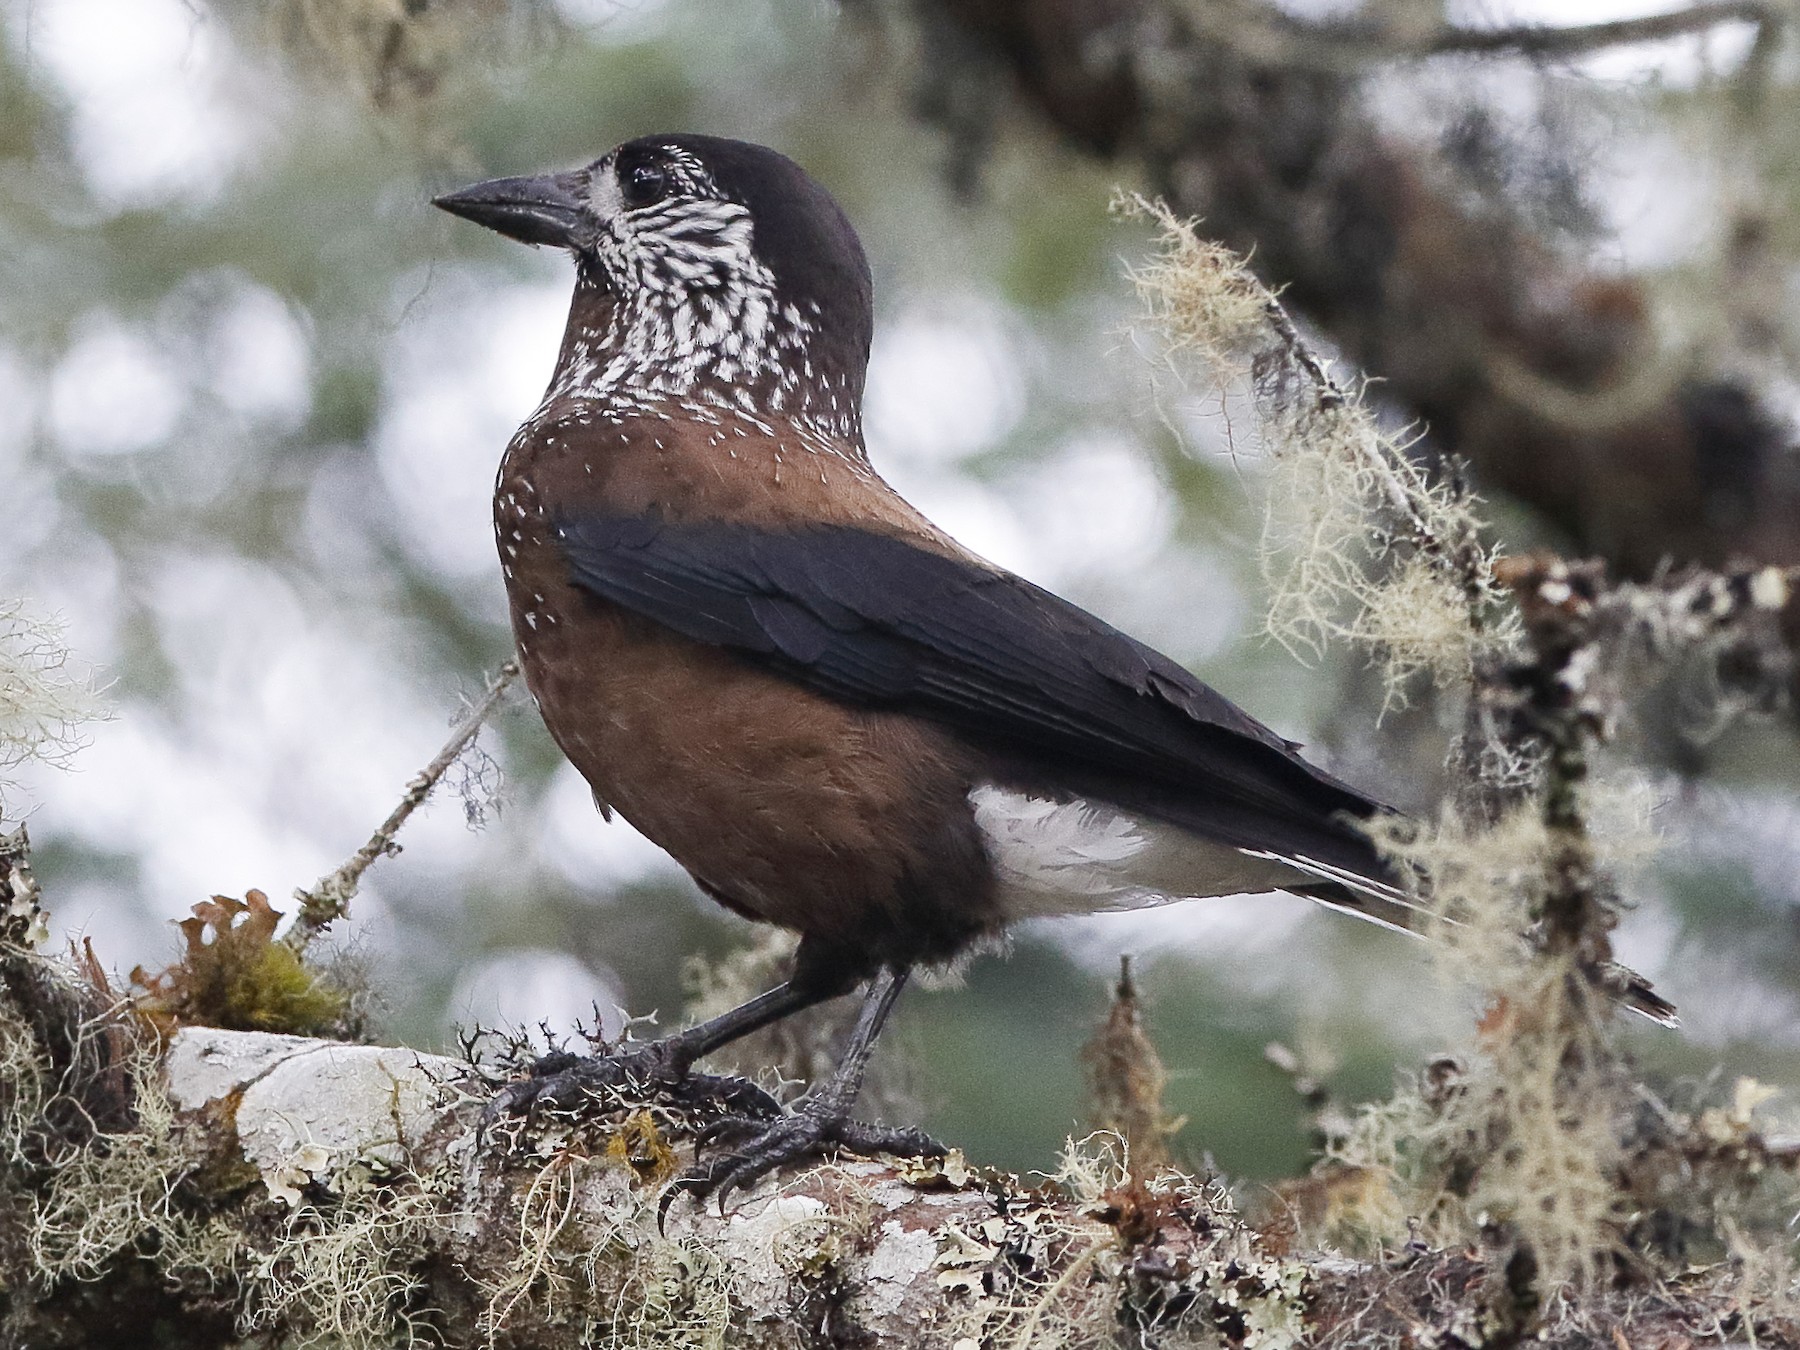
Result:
[
  {"x": 1578, "y": 39},
  {"x": 277, "y": 1189},
  {"x": 1268, "y": 36}
]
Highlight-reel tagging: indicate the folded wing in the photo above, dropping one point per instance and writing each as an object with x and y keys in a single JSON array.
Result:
[{"x": 1058, "y": 696}]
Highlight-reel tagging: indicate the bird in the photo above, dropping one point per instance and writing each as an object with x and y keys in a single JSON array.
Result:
[{"x": 834, "y": 716}]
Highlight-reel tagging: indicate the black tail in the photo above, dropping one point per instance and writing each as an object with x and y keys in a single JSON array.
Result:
[{"x": 1378, "y": 902}]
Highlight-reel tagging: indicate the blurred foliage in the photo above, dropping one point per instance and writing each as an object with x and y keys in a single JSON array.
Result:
[{"x": 252, "y": 389}]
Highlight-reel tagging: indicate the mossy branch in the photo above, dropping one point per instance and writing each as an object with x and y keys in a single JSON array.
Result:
[
  {"x": 1365, "y": 545},
  {"x": 270, "y": 1190},
  {"x": 285, "y": 1190}
]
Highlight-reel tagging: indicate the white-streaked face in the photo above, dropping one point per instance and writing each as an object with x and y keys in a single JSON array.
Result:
[
  {"x": 698, "y": 306},
  {"x": 712, "y": 272},
  {"x": 665, "y": 227}
]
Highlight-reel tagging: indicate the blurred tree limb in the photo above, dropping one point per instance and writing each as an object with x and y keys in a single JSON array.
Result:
[
  {"x": 1342, "y": 44},
  {"x": 1542, "y": 40},
  {"x": 1549, "y": 376}
]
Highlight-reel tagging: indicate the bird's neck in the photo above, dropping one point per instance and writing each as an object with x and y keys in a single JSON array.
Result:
[{"x": 737, "y": 348}]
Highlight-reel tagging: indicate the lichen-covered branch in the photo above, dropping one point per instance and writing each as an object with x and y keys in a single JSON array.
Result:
[
  {"x": 271, "y": 1190},
  {"x": 1532, "y": 1145},
  {"x": 275, "y": 1189},
  {"x": 1595, "y": 647}
]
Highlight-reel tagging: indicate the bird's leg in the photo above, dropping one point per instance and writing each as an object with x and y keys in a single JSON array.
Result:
[
  {"x": 563, "y": 1081},
  {"x": 820, "y": 1121}
]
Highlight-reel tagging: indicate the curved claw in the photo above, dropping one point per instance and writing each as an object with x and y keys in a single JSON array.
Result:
[
  {"x": 675, "y": 1188},
  {"x": 783, "y": 1141},
  {"x": 743, "y": 1172},
  {"x": 719, "y": 1178}
]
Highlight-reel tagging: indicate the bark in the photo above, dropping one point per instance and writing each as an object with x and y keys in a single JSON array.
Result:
[
  {"x": 296, "y": 1188},
  {"x": 281, "y": 1190},
  {"x": 1546, "y": 374}
]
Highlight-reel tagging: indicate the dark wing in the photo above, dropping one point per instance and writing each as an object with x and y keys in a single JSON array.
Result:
[{"x": 876, "y": 621}]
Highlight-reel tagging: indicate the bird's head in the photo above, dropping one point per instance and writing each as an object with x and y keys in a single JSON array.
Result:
[{"x": 730, "y": 271}]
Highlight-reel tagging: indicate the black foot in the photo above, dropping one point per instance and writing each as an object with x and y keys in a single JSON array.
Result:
[
  {"x": 770, "y": 1145},
  {"x": 567, "y": 1083}
]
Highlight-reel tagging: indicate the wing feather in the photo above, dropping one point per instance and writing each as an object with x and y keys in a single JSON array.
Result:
[{"x": 879, "y": 621}]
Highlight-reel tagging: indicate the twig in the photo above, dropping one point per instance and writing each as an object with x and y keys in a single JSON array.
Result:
[
  {"x": 1401, "y": 480},
  {"x": 1297, "y": 43},
  {"x": 330, "y": 898},
  {"x": 1541, "y": 40},
  {"x": 1398, "y": 478}
]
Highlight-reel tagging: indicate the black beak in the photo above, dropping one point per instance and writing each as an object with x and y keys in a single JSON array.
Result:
[{"x": 548, "y": 209}]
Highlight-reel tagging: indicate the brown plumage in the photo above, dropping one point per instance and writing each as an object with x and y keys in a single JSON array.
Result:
[
  {"x": 836, "y": 718},
  {"x": 848, "y": 825}
]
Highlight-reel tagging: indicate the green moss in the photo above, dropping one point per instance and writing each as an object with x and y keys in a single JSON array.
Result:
[
  {"x": 273, "y": 991},
  {"x": 235, "y": 975}
]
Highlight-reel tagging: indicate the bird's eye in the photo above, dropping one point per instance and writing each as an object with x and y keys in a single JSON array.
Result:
[{"x": 645, "y": 185}]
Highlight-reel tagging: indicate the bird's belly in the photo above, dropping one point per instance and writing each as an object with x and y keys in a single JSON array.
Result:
[{"x": 849, "y": 826}]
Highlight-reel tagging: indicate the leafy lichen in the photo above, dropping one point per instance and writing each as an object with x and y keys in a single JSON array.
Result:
[{"x": 234, "y": 974}]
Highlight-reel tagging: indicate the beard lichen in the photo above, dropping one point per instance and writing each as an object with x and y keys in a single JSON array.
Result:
[
  {"x": 46, "y": 699},
  {"x": 1523, "y": 1138},
  {"x": 112, "y": 1190},
  {"x": 344, "y": 1273},
  {"x": 1360, "y": 544},
  {"x": 588, "y": 1258},
  {"x": 1532, "y": 1147},
  {"x": 87, "y": 1145}
]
